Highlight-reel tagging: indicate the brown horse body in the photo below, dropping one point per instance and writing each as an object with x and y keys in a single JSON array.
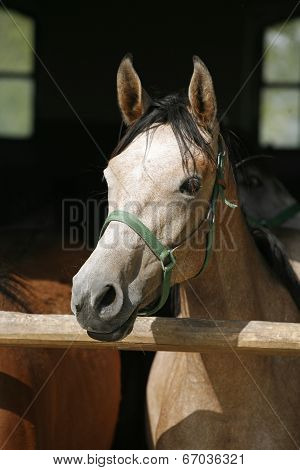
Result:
[{"x": 52, "y": 399}]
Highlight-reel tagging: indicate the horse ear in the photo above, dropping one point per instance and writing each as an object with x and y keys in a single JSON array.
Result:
[
  {"x": 201, "y": 95},
  {"x": 132, "y": 98}
]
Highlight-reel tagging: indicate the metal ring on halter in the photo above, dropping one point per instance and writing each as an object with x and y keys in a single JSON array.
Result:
[
  {"x": 211, "y": 216},
  {"x": 164, "y": 256}
]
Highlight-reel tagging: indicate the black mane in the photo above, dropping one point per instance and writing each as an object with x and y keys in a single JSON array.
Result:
[{"x": 276, "y": 256}]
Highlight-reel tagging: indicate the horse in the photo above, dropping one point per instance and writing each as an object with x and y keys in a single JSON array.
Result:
[
  {"x": 267, "y": 202},
  {"x": 51, "y": 398},
  {"x": 264, "y": 197},
  {"x": 174, "y": 218}
]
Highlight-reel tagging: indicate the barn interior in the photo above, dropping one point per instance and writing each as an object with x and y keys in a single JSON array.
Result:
[{"x": 59, "y": 119}]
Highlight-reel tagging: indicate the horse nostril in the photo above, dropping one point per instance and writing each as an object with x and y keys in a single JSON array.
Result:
[
  {"x": 106, "y": 299},
  {"x": 109, "y": 297}
]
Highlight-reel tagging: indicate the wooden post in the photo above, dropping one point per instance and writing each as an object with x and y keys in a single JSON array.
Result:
[{"x": 154, "y": 334}]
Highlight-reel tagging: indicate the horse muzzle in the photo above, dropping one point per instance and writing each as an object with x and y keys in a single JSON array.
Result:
[{"x": 101, "y": 311}]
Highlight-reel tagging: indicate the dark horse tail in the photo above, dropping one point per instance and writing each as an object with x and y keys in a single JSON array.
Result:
[{"x": 274, "y": 253}]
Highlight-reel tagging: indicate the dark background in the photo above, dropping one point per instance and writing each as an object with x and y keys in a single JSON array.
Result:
[{"x": 81, "y": 45}]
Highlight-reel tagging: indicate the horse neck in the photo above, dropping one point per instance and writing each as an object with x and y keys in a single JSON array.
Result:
[{"x": 237, "y": 283}]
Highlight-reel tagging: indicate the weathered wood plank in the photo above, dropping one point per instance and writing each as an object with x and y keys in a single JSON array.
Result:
[{"x": 154, "y": 334}]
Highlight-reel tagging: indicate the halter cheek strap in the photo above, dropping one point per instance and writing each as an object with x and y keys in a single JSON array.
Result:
[
  {"x": 218, "y": 191},
  {"x": 164, "y": 253}
]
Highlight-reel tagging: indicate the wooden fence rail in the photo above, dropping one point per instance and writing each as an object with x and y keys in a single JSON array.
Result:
[{"x": 154, "y": 334}]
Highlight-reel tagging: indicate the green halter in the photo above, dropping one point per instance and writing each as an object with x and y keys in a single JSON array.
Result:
[
  {"x": 164, "y": 253},
  {"x": 276, "y": 221}
]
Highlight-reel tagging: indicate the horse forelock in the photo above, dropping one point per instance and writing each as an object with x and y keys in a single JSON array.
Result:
[{"x": 171, "y": 110}]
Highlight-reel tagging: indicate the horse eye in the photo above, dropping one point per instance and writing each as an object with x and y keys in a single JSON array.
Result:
[
  {"x": 191, "y": 186},
  {"x": 254, "y": 181}
]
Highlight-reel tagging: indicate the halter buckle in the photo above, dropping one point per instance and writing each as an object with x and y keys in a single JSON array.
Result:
[
  {"x": 211, "y": 216},
  {"x": 167, "y": 260}
]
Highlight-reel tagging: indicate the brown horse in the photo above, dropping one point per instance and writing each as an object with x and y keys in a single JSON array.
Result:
[
  {"x": 51, "y": 399},
  {"x": 165, "y": 172}
]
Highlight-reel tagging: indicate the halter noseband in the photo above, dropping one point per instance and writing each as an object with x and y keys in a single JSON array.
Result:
[{"x": 164, "y": 253}]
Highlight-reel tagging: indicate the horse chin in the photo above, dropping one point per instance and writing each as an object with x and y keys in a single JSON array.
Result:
[{"x": 116, "y": 335}]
